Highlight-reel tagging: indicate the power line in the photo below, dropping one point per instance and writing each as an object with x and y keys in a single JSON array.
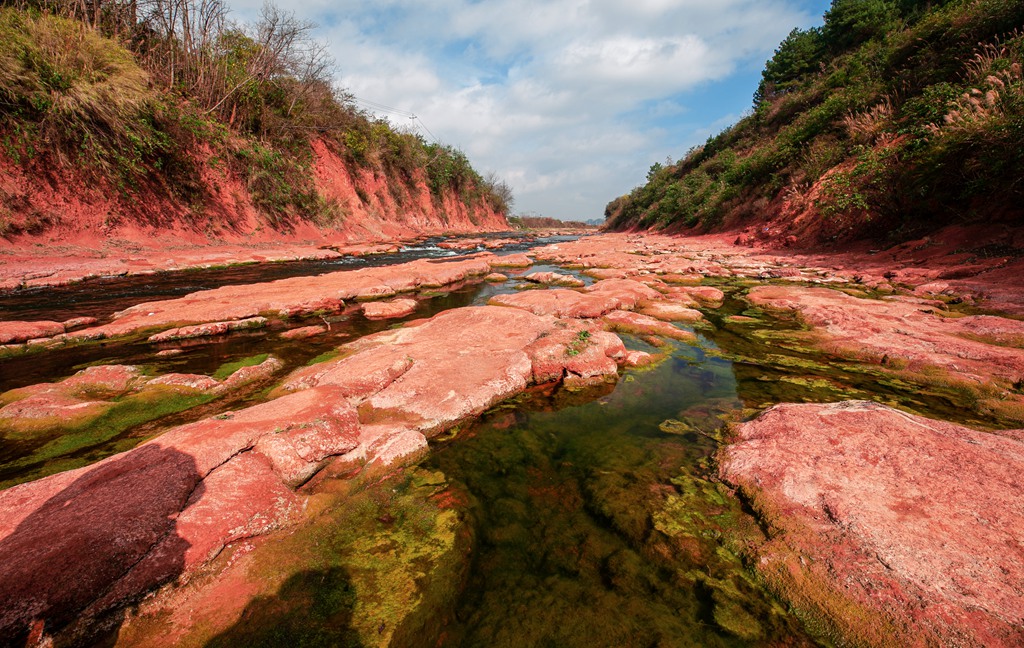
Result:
[{"x": 374, "y": 105}]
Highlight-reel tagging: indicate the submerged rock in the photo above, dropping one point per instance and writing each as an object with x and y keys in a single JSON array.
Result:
[{"x": 914, "y": 521}]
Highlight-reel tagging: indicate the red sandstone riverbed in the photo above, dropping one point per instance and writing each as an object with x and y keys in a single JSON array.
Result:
[{"x": 884, "y": 556}]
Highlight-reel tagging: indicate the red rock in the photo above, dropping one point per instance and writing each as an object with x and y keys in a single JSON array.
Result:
[
  {"x": 251, "y": 374},
  {"x": 578, "y": 350},
  {"x": 554, "y": 279},
  {"x": 638, "y": 324},
  {"x": 384, "y": 445},
  {"x": 876, "y": 329},
  {"x": 304, "y": 332},
  {"x": 510, "y": 261},
  {"x": 671, "y": 312},
  {"x": 110, "y": 379},
  {"x": 639, "y": 359},
  {"x": 188, "y": 381},
  {"x": 705, "y": 295},
  {"x": 496, "y": 277},
  {"x": 290, "y": 297},
  {"x": 915, "y": 519},
  {"x": 606, "y": 273},
  {"x": 78, "y": 322},
  {"x": 626, "y": 291},
  {"x": 560, "y": 303},
  {"x": 390, "y": 309},
  {"x": 206, "y": 330},
  {"x": 357, "y": 376},
  {"x": 16, "y": 332}
]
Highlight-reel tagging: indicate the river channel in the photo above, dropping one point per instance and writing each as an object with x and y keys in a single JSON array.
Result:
[{"x": 596, "y": 518}]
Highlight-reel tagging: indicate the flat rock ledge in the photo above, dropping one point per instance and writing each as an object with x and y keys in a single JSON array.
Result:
[
  {"x": 79, "y": 547},
  {"x": 891, "y": 529}
]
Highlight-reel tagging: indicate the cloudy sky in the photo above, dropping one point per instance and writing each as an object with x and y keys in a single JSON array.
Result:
[{"x": 570, "y": 101}]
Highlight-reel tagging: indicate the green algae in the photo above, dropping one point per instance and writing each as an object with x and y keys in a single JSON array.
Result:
[
  {"x": 229, "y": 368},
  {"x": 56, "y": 445},
  {"x": 598, "y": 528},
  {"x": 379, "y": 566}
]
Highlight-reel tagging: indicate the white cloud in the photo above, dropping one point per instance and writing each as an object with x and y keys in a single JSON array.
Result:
[{"x": 537, "y": 90}]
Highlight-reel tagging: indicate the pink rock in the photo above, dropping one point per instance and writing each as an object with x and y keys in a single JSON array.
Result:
[
  {"x": 78, "y": 322},
  {"x": 189, "y": 381},
  {"x": 916, "y": 519},
  {"x": 16, "y": 332},
  {"x": 304, "y": 332},
  {"x": 496, "y": 277},
  {"x": 606, "y": 273},
  {"x": 389, "y": 309},
  {"x": 254, "y": 373},
  {"x": 358, "y": 376},
  {"x": 672, "y": 312},
  {"x": 626, "y": 291},
  {"x": 639, "y": 359},
  {"x": 638, "y": 324},
  {"x": 510, "y": 261},
  {"x": 111, "y": 379},
  {"x": 560, "y": 303},
  {"x": 206, "y": 330},
  {"x": 565, "y": 351},
  {"x": 555, "y": 279},
  {"x": 877, "y": 329}
]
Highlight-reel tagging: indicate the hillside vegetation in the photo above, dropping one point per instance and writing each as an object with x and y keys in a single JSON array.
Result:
[
  {"x": 153, "y": 101},
  {"x": 893, "y": 118}
]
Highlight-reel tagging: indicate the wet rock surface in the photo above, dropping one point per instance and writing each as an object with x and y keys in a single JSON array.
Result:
[
  {"x": 879, "y": 522},
  {"x": 917, "y": 520}
]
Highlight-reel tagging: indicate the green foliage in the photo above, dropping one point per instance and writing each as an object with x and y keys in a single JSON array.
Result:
[
  {"x": 245, "y": 100},
  {"x": 905, "y": 112}
]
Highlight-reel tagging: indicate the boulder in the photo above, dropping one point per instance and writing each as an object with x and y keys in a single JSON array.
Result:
[{"x": 915, "y": 520}]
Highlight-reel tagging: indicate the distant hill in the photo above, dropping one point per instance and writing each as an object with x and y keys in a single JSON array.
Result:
[
  {"x": 132, "y": 119},
  {"x": 545, "y": 222},
  {"x": 893, "y": 118}
]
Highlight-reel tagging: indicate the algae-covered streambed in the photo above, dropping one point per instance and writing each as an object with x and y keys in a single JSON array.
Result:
[{"x": 560, "y": 518}]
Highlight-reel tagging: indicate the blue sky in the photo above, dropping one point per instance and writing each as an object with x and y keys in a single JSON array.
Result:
[{"x": 569, "y": 101}]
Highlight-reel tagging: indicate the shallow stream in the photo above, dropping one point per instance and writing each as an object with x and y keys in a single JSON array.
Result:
[{"x": 596, "y": 516}]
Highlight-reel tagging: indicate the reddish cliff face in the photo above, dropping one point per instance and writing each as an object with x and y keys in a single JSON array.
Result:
[{"x": 47, "y": 206}]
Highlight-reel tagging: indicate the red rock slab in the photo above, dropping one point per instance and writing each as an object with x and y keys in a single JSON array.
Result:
[
  {"x": 389, "y": 309},
  {"x": 358, "y": 376},
  {"x": 68, "y": 538},
  {"x": 18, "y": 332},
  {"x": 627, "y": 291},
  {"x": 671, "y": 312},
  {"x": 637, "y": 324},
  {"x": 188, "y": 381},
  {"x": 705, "y": 295},
  {"x": 463, "y": 361},
  {"x": 880, "y": 328},
  {"x": 554, "y": 279},
  {"x": 78, "y": 322},
  {"x": 510, "y": 261},
  {"x": 918, "y": 520},
  {"x": 639, "y": 359},
  {"x": 207, "y": 330},
  {"x": 113, "y": 379},
  {"x": 576, "y": 349},
  {"x": 496, "y": 277},
  {"x": 289, "y": 297},
  {"x": 560, "y": 303},
  {"x": 304, "y": 332},
  {"x": 606, "y": 273}
]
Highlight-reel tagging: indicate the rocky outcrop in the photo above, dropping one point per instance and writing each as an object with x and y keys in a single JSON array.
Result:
[
  {"x": 916, "y": 523},
  {"x": 157, "y": 513}
]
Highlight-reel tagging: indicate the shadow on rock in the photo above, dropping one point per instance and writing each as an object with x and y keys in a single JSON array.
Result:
[
  {"x": 312, "y": 608},
  {"x": 78, "y": 547}
]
